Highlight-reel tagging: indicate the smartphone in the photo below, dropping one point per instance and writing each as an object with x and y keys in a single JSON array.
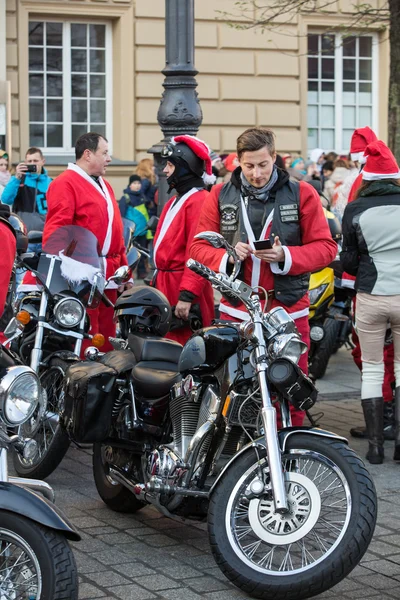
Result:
[
  {"x": 31, "y": 168},
  {"x": 263, "y": 245}
]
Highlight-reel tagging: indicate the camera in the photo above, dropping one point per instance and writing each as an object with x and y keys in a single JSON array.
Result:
[{"x": 31, "y": 168}]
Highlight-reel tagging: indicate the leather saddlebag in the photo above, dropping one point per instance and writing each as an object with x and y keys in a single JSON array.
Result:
[{"x": 89, "y": 389}]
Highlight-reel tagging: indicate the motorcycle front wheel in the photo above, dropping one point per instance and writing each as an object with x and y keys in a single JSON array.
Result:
[
  {"x": 331, "y": 519},
  {"x": 35, "y": 562},
  {"x": 53, "y": 442}
]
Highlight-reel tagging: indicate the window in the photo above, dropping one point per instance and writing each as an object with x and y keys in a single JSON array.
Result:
[
  {"x": 341, "y": 89},
  {"x": 69, "y": 75}
]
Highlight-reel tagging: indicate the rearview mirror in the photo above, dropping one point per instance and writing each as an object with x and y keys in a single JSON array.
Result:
[
  {"x": 133, "y": 257},
  {"x": 212, "y": 237},
  {"x": 152, "y": 224},
  {"x": 121, "y": 275}
]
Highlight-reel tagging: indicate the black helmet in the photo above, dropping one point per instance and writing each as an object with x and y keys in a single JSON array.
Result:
[
  {"x": 334, "y": 225},
  {"x": 20, "y": 231},
  {"x": 143, "y": 309},
  {"x": 181, "y": 155}
]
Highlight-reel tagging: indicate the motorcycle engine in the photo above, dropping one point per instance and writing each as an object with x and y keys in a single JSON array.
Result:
[{"x": 189, "y": 410}]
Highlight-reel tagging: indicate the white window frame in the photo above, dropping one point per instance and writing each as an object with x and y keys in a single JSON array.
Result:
[
  {"x": 338, "y": 57},
  {"x": 68, "y": 148}
]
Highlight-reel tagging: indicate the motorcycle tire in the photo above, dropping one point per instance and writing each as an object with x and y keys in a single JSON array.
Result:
[
  {"x": 114, "y": 494},
  {"x": 47, "y": 559},
  {"x": 319, "y": 360},
  {"x": 53, "y": 451},
  {"x": 331, "y": 520}
]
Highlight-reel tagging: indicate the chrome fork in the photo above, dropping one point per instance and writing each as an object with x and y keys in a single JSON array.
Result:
[{"x": 268, "y": 414}]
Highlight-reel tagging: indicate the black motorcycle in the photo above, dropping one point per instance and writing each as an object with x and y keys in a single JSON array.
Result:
[
  {"x": 36, "y": 561},
  {"x": 50, "y": 325},
  {"x": 193, "y": 431}
]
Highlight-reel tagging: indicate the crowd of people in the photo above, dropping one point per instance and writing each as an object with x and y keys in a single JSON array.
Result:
[{"x": 249, "y": 195}]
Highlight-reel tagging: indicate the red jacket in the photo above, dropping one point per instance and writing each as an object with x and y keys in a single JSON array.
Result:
[
  {"x": 74, "y": 198},
  {"x": 8, "y": 250},
  {"x": 317, "y": 251},
  {"x": 172, "y": 242}
]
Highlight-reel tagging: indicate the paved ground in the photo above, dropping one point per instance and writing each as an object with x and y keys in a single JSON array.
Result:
[{"x": 149, "y": 556}]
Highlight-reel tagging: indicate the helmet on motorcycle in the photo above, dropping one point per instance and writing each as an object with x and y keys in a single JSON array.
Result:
[
  {"x": 334, "y": 225},
  {"x": 20, "y": 231},
  {"x": 143, "y": 309}
]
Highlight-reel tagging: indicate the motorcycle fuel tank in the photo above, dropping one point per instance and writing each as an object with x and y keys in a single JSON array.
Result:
[{"x": 209, "y": 348}]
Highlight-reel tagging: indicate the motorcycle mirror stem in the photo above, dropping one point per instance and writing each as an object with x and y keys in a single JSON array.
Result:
[{"x": 218, "y": 241}]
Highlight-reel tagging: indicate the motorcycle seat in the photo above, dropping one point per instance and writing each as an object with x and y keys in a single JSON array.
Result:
[
  {"x": 146, "y": 348},
  {"x": 154, "y": 379},
  {"x": 119, "y": 360},
  {"x": 35, "y": 237}
]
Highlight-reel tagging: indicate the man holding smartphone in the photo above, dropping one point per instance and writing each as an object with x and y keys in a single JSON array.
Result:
[
  {"x": 277, "y": 227},
  {"x": 27, "y": 190}
]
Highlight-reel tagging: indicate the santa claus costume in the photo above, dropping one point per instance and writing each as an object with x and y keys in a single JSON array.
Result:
[
  {"x": 243, "y": 213},
  {"x": 76, "y": 198},
  {"x": 8, "y": 238},
  {"x": 176, "y": 229}
]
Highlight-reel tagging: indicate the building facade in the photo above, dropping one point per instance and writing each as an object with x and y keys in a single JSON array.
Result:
[{"x": 76, "y": 65}]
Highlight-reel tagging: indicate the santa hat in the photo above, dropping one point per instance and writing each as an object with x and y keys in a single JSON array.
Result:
[
  {"x": 201, "y": 150},
  {"x": 359, "y": 141},
  {"x": 316, "y": 154},
  {"x": 380, "y": 162},
  {"x": 231, "y": 162}
]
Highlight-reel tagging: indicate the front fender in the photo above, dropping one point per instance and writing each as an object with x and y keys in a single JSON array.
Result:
[
  {"x": 283, "y": 436},
  {"x": 32, "y": 506}
]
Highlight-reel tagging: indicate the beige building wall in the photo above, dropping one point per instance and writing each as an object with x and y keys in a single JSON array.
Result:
[{"x": 245, "y": 78}]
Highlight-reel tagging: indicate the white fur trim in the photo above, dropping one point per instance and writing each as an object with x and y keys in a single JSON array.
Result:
[
  {"x": 28, "y": 287},
  {"x": 244, "y": 316},
  {"x": 169, "y": 217},
  {"x": 348, "y": 283},
  {"x": 102, "y": 189},
  {"x": 74, "y": 271},
  {"x": 275, "y": 268},
  {"x": 209, "y": 179},
  {"x": 357, "y": 156},
  {"x": 374, "y": 176}
]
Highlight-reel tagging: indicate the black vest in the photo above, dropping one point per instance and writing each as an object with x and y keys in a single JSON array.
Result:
[{"x": 289, "y": 289}]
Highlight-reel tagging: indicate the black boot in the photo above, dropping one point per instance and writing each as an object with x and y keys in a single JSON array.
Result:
[
  {"x": 373, "y": 415},
  {"x": 396, "y": 455},
  {"x": 388, "y": 424}
]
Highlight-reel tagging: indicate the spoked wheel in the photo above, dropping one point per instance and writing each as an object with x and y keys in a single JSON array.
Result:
[
  {"x": 35, "y": 562},
  {"x": 293, "y": 556},
  {"x": 52, "y": 440}
]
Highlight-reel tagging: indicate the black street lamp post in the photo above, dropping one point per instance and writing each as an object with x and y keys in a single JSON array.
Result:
[{"x": 179, "y": 112}]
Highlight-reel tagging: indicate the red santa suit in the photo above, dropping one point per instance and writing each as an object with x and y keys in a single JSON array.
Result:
[
  {"x": 172, "y": 242},
  {"x": 74, "y": 198},
  {"x": 6, "y": 264},
  {"x": 317, "y": 251}
]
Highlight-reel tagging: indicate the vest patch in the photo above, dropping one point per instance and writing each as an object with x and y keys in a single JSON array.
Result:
[
  {"x": 229, "y": 217},
  {"x": 289, "y": 213}
]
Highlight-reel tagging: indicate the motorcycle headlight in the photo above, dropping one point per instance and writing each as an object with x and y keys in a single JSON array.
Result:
[
  {"x": 316, "y": 293},
  {"x": 19, "y": 395},
  {"x": 280, "y": 321},
  {"x": 68, "y": 312},
  {"x": 287, "y": 346}
]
